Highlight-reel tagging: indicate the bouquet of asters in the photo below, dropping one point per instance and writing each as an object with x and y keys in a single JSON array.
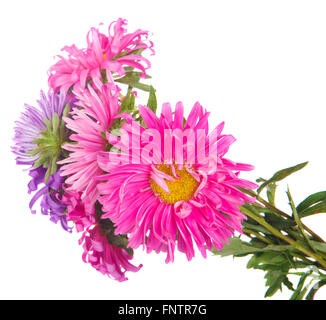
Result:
[{"x": 125, "y": 176}]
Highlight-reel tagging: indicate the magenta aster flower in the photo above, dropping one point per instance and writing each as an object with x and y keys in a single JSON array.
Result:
[
  {"x": 76, "y": 211},
  {"x": 106, "y": 252},
  {"x": 162, "y": 202},
  {"x": 110, "y": 53},
  {"x": 39, "y": 135},
  {"x": 104, "y": 257},
  {"x": 99, "y": 107}
]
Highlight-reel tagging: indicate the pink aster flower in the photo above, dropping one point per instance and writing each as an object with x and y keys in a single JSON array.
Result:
[
  {"x": 99, "y": 107},
  {"x": 110, "y": 52},
  {"x": 163, "y": 203},
  {"x": 104, "y": 256}
]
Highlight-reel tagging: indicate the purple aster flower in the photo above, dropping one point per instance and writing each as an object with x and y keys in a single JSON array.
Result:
[
  {"x": 39, "y": 136},
  {"x": 50, "y": 195},
  {"x": 34, "y": 121}
]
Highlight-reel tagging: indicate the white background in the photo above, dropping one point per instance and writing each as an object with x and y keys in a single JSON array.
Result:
[{"x": 260, "y": 66}]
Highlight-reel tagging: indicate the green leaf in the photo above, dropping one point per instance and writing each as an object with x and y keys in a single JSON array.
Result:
[
  {"x": 315, "y": 203},
  {"x": 319, "y": 246},
  {"x": 254, "y": 227},
  {"x": 261, "y": 208},
  {"x": 66, "y": 110},
  {"x": 47, "y": 175},
  {"x": 235, "y": 247},
  {"x": 48, "y": 124},
  {"x": 108, "y": 228},
  {"x": 275, "y": 247},
  {"x": 141, "y": 86},
  {"x": 269, "y": 257},
  {"x": 152, "y": 101},
  {"x": 53, "y": 165},
  {"x": 55, "y": 122},
  {"x": 297, "y": 295},
  {"x": 40, "y": 160},
  {"x": 302, "y": 293},
  {"x": 271, "y": 267},
  {"x": 274, "y": 280},
  {"x": 317, "y": 208},
  {"x": 257, "y": 243},
  {"x": 132, "y": 79},
  {"x": 298, "y": 221},
  {"x": 271, "y": 189},
  {"x": 239, "y": 247},
  {"x": 137, "y": 51},
  {"x": 253, "y": 263},
  {"x": 280, "y": 175},
  {"x": 288, "y": 283},
  {"x": 279, "y": 222},
  {"x": 315, "y": 288},
  {"x": 128, "y": 103},
  {"x": 312, "y": 199}
]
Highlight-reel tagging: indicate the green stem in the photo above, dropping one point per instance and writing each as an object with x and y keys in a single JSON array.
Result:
[
  {"x": 277, "y": 233},
  {"x": 276, "y": 210},
  {"x": 303, "y": 258},
  {"x": 246, "y": 230}
]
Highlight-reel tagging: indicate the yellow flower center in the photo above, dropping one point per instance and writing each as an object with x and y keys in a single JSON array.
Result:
[{"x": 182, "y": 188}]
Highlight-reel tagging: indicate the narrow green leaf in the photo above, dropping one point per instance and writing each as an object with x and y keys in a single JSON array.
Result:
[
  {"x": 257, "y": 243},
  {"x": 315, "y": 288},
  {"x": 271, "y": 267},
  {"x": 66, "y": 110},
  {"x": 298, "y": 221},
  {"x": 299, "y": 264},
  {"x": 288, "y": 283},
  {"x": 152, "y": 101},
  {"x": 48, "y": 124},
  {"x": 296, "y": 295},
  {"x": 274, "y": 247},
  {"x": 53, "y": 165},
  {"x": 55, "y": 122},
  {"x": 142, "y": 86},
  {"x": 127, "y": 104},
  {"x": 280, "y": 175},
  {"x": 319, "y": 246},
  {"x": 261, "y": 208},
  {"x": 137, "y": 51},
  {"x": 132, "y": 79},
  {"x": 129, "y": 78},
  {"x": 239, "y": 247},
  {"x": 103, "y": 134},
  {"x": 47, "y": 175},
  {"x": 271, "y": 189},
  {"x": 279, "y": 222},
  {"x": 132, "y": 102},
  {"x": 301, "y": 295},
  {"x": 254, "y": 227},
  {"x": 40, "y": 161},
  {"x": 310, "y": 200},
  {"x": 315, "y": 203},
  {"x": 314, "y": 209}
]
